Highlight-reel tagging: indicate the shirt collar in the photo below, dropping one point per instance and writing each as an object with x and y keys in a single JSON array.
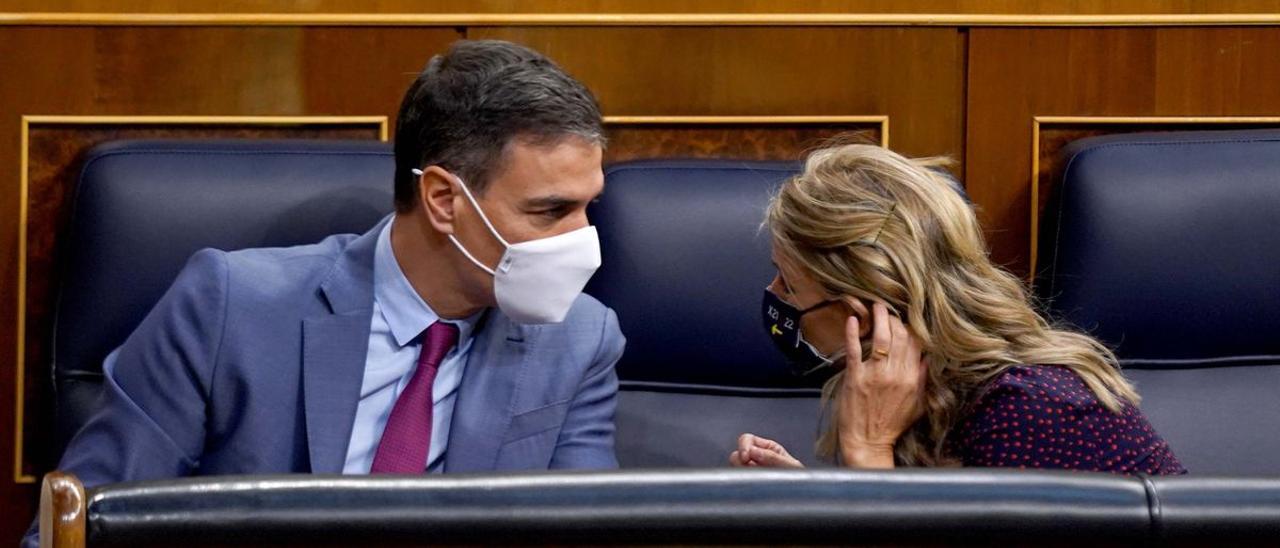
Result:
[{"x": 404, "y": 310}]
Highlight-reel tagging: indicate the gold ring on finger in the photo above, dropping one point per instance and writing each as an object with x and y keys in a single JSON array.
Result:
[{"x": 880, "y": 353}]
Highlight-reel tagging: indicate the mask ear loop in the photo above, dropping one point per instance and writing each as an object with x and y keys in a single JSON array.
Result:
[
  {"x": 483, "y": 217},
  {"x": 828, "y": 360}
]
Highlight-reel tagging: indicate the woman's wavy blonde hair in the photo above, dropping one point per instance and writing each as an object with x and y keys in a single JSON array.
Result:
[{"x": 868, "y": 223}]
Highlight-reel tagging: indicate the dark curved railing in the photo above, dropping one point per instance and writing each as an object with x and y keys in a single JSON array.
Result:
[{"x": 724, "y": 506}]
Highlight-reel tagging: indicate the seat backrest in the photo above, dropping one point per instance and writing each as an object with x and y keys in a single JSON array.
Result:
[
  {"x": 1165, "y": 246},
  {"x": 143, "y": 207},
  {"x": 685, "y": 265}
]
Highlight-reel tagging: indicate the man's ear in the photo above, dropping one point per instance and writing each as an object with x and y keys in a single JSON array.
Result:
[{"x": 436, "y": 195}]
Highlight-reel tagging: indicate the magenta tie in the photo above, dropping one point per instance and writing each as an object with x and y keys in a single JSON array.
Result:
[{"x": 406, "y": 440}]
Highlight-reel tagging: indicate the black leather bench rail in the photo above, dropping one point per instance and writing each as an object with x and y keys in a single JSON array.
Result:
[
  {"x": 1216, "y": 510},
  {"x": 654, "y": 507}
]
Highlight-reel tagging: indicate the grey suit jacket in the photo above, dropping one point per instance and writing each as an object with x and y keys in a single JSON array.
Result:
[{"x": 252, "y": 363}]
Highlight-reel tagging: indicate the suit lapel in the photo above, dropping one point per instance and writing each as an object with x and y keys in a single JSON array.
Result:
[
  {"x": 334, "y": 349},
  {"x": 335, "y": 345},
  {"x": 486, "y": 397}
]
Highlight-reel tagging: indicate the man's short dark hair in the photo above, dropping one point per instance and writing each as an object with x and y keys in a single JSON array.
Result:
[{"x": 474, "y": 100}]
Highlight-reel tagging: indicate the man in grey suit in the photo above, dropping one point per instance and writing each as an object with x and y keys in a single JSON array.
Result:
[{"x": 452, "y": 337}]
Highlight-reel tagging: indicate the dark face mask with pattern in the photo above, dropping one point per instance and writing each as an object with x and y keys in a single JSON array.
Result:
[{"x": 782, "y": 322}]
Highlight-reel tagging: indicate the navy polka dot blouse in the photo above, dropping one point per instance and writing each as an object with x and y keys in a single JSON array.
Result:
[{"x": 1046, "y": 417}]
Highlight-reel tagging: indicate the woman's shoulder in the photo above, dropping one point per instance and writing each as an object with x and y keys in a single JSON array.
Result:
[
  {"x": 1048, "y": 385},
  {"x": 1023, "y": 402},
  {"x": 1044, "y": 416}
]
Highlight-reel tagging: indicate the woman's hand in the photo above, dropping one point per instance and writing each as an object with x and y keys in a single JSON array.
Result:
[
  {"x": 754, "y": 450},
  {"x": 882, "y": 397}
]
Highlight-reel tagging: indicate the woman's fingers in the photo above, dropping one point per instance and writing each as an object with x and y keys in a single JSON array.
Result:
[
  {"x": 881, "y": 335},
  {"x": 916, "y": 352},
  {"x": 763, "y": 457},
  {"x": 878, "y": 364},
  {"x": 745, "y": 442},
  {"x": 754, "y": 450},
  {"x": 882, "y": 396},
  {"x": 741, "y": 460},
  {"x": 770, "y": 445},
  {"x": 899, "y": 348},
  {"x": 852, "y": 342},
  {"x": 852, "y": 355}
]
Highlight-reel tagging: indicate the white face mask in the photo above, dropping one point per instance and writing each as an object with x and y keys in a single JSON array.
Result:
[{"x": 538, "y": 280}]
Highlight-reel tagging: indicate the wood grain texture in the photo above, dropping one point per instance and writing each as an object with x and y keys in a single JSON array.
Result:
[
  {"x": 243, "y": 70},
  {"x": 21, "y": 51},
  {"x": 749, "y": 142},
  {"x": 365, "y": 69},
  {"x": 1018, "y": 74},
  {"x": 654, "y": 6},
  {"x": 63, "y": 511},
  {"x": 189, "y": 71},
  {"x": 914, "y": 76}
]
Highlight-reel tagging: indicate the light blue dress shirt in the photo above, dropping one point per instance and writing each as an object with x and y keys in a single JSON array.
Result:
[{"x": 399, "y": 316}]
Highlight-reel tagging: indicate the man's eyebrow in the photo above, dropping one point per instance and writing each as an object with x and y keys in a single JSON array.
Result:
[
  {"x": 553, "y": 201},
  {"x": 549, "y": 202}
]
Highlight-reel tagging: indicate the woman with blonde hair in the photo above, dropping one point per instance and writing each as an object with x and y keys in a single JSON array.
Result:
[{"x": 883, "y": 274}]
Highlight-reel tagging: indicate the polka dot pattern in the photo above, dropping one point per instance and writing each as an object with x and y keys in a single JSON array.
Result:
[{"x": 1044, "y": 416}]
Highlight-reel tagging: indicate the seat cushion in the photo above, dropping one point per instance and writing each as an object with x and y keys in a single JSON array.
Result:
[
  {"x": 1164, "y": 246},
  {"x": 660, "y": 426}
]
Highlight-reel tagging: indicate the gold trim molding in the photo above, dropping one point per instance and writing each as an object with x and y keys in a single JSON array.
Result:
[
  {"x": 23, "y": 196},
  {"x": 1155, "y": 121},
  {"x": 637, "y": 19}
]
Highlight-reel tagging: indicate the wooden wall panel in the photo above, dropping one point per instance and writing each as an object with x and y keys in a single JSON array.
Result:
[
  {"x": 348, "y": 70},
  {"x": 21, "y": 51},
  {"x": 653, "y": 6},
  {"x": 744, "y": 141},
  {"x": 914, "y": 76},
  {"x": 175, "y": 71},
  {"x": 1016, "y": 75}
]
